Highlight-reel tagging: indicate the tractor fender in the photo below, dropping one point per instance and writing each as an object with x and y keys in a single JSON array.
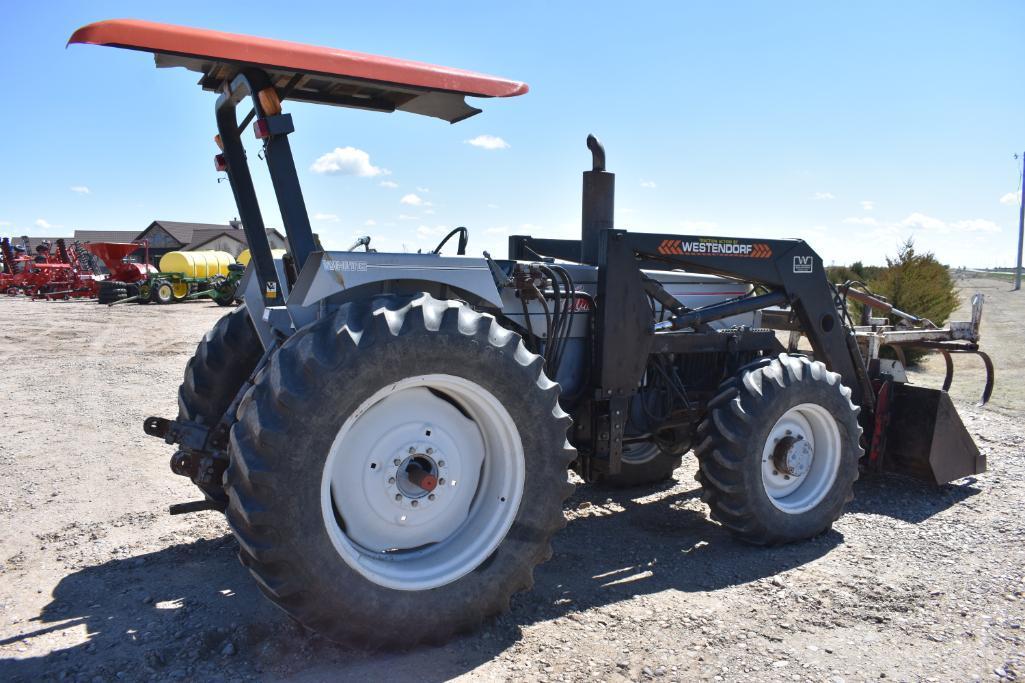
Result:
[{"x": 330, "y": 274}]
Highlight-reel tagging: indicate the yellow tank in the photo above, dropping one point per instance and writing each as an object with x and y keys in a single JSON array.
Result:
[
  {"x": 244, "y": 257},
  {"x": 197, "y": 264}
]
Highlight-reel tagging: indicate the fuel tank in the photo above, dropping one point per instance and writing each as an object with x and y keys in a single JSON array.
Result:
[
  {"x": 196, "y": 264},
  {"x": 244, "y": 257}
]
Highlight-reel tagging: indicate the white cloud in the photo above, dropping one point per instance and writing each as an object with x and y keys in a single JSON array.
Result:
[
  {"x": 698, "y": 226},
  {"x": 45, "y": 225},
  {"x": 488, "y": 142},
  {"x": 1011, "y": 198},
  {"x": 370, "y": 222},
  {"x": 347, "y": 161},
  {"x": 498, "y": 230},
  {"x": 920, "y": 220},
  {"x": 648, "y": 183},
  {"x": 406, "y": 217},
  {"x": 388, "y": 183},
  {"x": 823, "y": 196},
  {"x": 427, "y": 231},
  {"x": 975, "y": 225},
  {"x": 924, "y": 222},
  {"x": 423, "y": 190},
  {"x": 429, "y": 212},
  {"x": 412, "y": 200},
  {"x": 5, "y": 224},
  {"x": 867, "y": 220},
  {"x": 80, "y": 189},
  {"x": 868, "y": 204},
  {"x": 326, "y": 217},
  {"x": 492, "y": 206}
]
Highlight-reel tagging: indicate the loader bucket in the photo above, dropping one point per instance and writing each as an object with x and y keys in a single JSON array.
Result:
[{"x": 926, "y": 439}]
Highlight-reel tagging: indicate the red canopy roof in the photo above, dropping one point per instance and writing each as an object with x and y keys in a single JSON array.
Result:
[{"x": 327, "y": 75}]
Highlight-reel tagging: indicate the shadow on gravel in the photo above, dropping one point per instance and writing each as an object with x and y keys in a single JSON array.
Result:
[
  {"x": 649, "y": 547},
  {"x": 909, "y": 500},
  {"x": 190, "y": 611},
  {"x": 147, "y": 615}
]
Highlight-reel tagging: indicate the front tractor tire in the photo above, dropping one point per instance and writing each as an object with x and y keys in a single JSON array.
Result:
[
  {"x": 397, "y": 472},
  {"x": 778, "y": 451}
]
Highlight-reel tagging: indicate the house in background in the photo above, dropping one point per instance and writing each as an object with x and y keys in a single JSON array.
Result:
[
  {"x": 165, "y": 236},
  {"x": 104, "y": 235}
]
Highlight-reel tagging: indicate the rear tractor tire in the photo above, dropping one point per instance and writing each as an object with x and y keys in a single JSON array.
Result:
[
  {"x": 779, "y": 450},
  {"x": 398, "y": 471},
  {"x": 224, "y": 360}
]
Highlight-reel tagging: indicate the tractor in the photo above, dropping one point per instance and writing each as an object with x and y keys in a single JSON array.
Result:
[{"x": 390, "y": 435}]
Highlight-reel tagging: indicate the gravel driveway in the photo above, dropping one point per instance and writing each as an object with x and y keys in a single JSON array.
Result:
[{"x": 98, "y": 583}]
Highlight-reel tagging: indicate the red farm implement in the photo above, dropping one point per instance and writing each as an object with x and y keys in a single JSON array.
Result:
[
  {"x": 142, "y": 283},
  {"x": 125, "y": 276},
  {"x": 55, "y": 272}
]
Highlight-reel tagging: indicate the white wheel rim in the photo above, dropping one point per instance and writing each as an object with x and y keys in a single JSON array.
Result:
[
  {"x": 392, "y": 531},
  {"x": 801, "y": 458}
]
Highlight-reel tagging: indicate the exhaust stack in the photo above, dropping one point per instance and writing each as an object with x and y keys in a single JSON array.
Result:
[{"x": 599, "y": 199}]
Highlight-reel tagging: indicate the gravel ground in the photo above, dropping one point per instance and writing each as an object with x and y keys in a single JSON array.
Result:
[{"x": 98, "y": 583}]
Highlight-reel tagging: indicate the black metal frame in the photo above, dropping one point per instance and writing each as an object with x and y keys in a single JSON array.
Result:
[
  {"x": 284, "y": 179},
  {"x": 789, "y": 271}
]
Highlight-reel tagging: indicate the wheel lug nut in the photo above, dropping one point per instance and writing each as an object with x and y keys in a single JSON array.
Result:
[
  {"x": 412, "y": 450},
  {"x": 396, "y": 462},
  {"x": 441, "y": 481},
  {"x": 775, "y": 473},
  {"x": 391, "y": 480},
  {"x": 429, "y": 451},
  {"x": 398, "y": 496},
  {"x": 431, "y": 497},
  {"x": 415, "y": 503},
  {"x": 441, "y": 463}
]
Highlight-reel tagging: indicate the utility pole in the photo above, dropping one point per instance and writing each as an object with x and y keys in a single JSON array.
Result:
[{"x": 1021, "y": 224}]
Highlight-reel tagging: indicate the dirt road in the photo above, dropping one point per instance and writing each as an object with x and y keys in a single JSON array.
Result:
[{"x": 98, "y": 583}]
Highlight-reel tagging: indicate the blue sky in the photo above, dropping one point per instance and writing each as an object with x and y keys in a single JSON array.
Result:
[{"x": 851, "y": 125}]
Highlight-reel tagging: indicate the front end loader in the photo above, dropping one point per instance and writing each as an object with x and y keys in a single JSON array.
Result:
[{"x": 389, "y": 435}]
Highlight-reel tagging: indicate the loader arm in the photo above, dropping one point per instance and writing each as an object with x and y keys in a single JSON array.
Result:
[
  {"x": 790, "y": 271},
  {"x": 627, "y": 335}
]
